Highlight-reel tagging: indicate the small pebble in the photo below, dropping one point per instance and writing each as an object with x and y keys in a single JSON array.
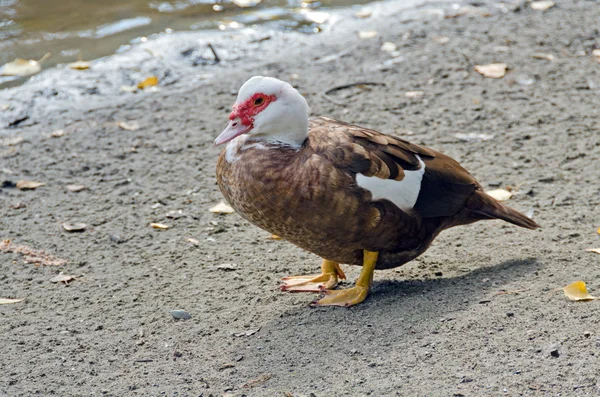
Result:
[
  {"x": 115, "y": 238},
  {"x": 554, "y": 353},
  {"x": 180, "y": 314}
]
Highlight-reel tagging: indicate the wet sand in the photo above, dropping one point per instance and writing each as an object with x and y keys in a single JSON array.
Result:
[{"x": 476, "y": 315}]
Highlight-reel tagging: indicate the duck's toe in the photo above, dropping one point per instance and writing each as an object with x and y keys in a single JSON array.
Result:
[{"x": 315, "y": 283}]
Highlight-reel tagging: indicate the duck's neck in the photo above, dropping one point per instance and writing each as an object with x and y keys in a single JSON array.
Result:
[{"x": 237, "y": 146}]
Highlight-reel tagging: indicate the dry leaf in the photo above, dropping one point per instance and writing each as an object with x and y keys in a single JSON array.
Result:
[
  {"x": 598, "y": 231},
  {"x": 148, "y": 82},
  {"x": 367, "y": 34},
  {"x": 594, "y": 250},
  {"x": 18, "y": 205},
  {"x": 362, "y": 14},
  {"x": 23, "y": 67},
  {"x": 13, "y": 141},
  {"x": 255, "y": 382},
  {"x": 274, "y": 237},
  {"x": 414, "y": 94},
  {"x": 492, "y": 70},
  {"x": 29, "y": 185},
  {"x": 5, "y": 301},
  {"x": 57, "y": 133},
  {"x": 388, "y": 47},
  {"x": 529, "y": 213},
  {"x": 193, "y": 241},
  {"x": 577, "y": 291},
  {"x": 473, "y": 137},
  {"x": 74, "y": 227},
  {"x": 246, "y": 3},
  {"x": 31, "y": 255},
  {"x": 129, "y": 88},
  {"x": 128, "y": 125},
  {"x": 542, "y": 5},
  {"x": 175, "y": 214},
  {"x": 80, "y": 65},
  {"x": 62, "y": 278},
  {"x": 249, "y": 332},
  {"x": 160, "y": 226},
  {"x": 222, "y": 208},
  {"x": 500, "y": 194},
  {"x": 75, "y": 188},
  {"x": 318, "y": 17},
  {"x": 225, "y": 266},
  {"x": 541, "y": 55}
]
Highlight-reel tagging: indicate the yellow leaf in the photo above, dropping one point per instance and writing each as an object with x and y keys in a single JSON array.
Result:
[
  {"x": 274, "y": 237},
  {"x": 4, "y": 301},
  {"x": 160, "y": 226},
  {"x": 222, "y": 208},
  {"x": 149, "y": 82},
  {"x": 598, "y": 231},
  {"x": 29, "y": 185},
  {"x": 594, "y": 250},
  {"x": 542, "y": 5},
  {"x": 80, "y": 65},
  {"x": 500, "y": 194},
  {"x": 492, "y": 70},
  {"x": 577, "y": 291}
]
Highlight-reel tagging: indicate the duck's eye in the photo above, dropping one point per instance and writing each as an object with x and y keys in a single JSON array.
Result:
[{"x": 258, "y": 101}]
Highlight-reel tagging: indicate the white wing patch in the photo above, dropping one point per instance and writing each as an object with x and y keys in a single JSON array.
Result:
[{"x": 403, "y": 193}]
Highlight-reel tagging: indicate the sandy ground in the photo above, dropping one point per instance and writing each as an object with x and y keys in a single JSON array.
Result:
[{"x": 439, "y": 326}]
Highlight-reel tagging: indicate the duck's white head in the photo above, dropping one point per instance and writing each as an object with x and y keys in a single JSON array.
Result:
[{"x": 268, "y": 109}]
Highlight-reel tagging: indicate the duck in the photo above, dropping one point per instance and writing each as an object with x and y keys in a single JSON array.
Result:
[{"x": 348, "y": 194}]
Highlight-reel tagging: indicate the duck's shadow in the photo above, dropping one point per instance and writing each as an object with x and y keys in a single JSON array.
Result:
[{"x": 419, "y": 300}]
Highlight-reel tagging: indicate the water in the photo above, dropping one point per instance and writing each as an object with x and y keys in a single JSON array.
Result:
[{"x": 93, "y": 29}]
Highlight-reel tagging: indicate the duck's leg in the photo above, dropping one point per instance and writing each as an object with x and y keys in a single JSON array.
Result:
[
  {"x": 330, "y": 271},
  {"x": 358, "y": 293}
]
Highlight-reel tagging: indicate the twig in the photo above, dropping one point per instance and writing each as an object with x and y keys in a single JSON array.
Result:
[
  {"x": 343, "y": 87},
  {"x": 516, "y": 291},
  {"x": 217, "y": 59},
  {"x": 331, "y": 100}
]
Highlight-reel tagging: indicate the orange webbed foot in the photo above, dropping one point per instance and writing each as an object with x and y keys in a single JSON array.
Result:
[{"x": 330, "y": 272}]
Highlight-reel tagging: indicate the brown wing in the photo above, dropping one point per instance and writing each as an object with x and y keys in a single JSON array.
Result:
[{"x": 445, "y": 186}]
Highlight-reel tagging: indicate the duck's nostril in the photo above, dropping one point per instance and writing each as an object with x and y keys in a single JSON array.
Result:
[{"x": 234, "y": 124}]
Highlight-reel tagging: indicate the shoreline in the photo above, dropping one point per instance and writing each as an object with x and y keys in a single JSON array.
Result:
[{"x": 181, "y": 56}]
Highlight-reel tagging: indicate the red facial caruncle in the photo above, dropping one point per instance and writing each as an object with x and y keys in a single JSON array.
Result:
[
  {"x": 242, "y": 117},
  {"x": 251, "y": 107}
]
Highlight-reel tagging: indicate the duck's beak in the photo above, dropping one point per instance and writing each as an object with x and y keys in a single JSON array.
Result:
[{"x": 234, "y": 129}]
